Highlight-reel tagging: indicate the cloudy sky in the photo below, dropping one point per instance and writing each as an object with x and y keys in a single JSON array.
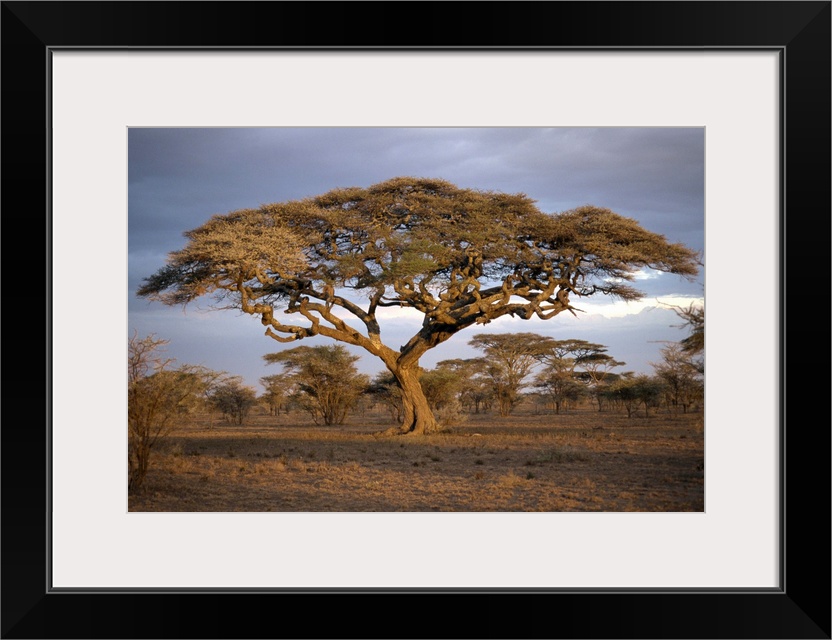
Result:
[{"x": 179, "y": 177}]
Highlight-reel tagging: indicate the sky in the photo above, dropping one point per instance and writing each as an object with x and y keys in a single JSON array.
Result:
[{"x": 179, "y": 177}]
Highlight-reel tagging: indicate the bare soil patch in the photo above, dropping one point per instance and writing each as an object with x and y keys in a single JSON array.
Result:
[{"x": 579, "y": 461}]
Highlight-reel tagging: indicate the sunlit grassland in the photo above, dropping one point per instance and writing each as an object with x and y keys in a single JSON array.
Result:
[{"x": 583, "y": 460}]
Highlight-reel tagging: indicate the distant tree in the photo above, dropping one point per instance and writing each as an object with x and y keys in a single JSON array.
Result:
[
  {"x": 598, "y": 367},
  {"x": 595, "y": 367},
  {"x": 278, "y": 389},
  {"x": 443, "y": 388},
  {"x": 159, "y": 398},
  {"x": 508, "y": 361},
  {"x": 634, "y": 391},
  {"x": 559, "y": 386},
  {"x": 570, "y": 367},
  {"x": 597, "y": 389},
  {"x": 327, "y": 379},
  {"x": 234, "y": 399},
  {"x": 650, "y": 390},
  {"x": 461, "y": 257},
  {"x": 539, "y": 402},
  {"x": 551, "y": 351},
  {"x": 683, "y": 383},
  {"x": 475, "y": 390}
]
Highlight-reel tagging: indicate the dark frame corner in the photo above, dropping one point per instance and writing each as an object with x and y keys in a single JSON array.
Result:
[{"x": 799, "y": 30}]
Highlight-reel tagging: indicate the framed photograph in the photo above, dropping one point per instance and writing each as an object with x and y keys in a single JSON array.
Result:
[{"x": 751, "y": 78}]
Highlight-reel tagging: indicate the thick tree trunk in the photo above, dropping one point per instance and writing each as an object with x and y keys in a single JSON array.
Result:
[{"x": 418, "y": 419}]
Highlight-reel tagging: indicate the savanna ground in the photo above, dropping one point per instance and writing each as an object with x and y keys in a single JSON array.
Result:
[{"x": 582, "y": 460}]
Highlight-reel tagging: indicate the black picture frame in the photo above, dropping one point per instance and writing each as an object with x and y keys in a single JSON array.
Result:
[{"x": 799, "y": 31}]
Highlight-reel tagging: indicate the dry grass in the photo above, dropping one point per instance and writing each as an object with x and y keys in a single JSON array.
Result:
[{"x": 579, "y": 461}]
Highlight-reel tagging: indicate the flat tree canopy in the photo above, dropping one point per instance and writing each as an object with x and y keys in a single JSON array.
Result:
[{"x": 458, "y": 256}]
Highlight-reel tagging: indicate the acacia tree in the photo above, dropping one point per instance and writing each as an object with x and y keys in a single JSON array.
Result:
[
  {"x": 327, "y": 380},
  {"x": 634, "y": 390},
  {"x": 474, "y": 388},
  {"x": 509, "y": 359},
  {"x": 159, "y": 396},
  {"x": 568, "y": 361},
  {"x": 559, "y": 388},
  {"x": 443, "y": 387},
  {"x": 458, "y": 256},
  {"x": 278, "y": 388},
  {"x": 559, "y": 385},
  {"x": 234, "y": 399},
  {"x": 682, "y": 381},
  {"x": 596, "y": 370}
]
